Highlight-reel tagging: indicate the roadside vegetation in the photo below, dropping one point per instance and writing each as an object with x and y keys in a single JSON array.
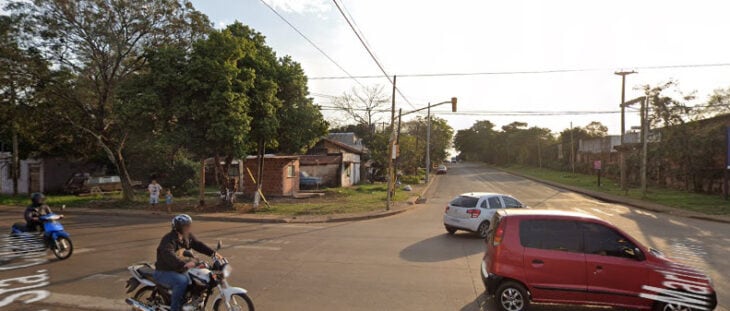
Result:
[
  {"x": 350, "y": 200},
  {"x": 703, "y": 203}
]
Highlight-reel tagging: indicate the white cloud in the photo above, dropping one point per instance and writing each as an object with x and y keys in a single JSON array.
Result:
[{"x": 301, "y": 6}]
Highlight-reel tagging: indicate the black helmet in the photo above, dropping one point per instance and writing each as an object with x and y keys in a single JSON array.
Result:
[
  {"x": 37, "y": 198},
  {"x": 179, "y": 221}
]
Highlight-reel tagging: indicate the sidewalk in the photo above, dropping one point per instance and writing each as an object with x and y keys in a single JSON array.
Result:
[
  {"x": 397, "y": 208},
  {"x": 654, "y": 207}
]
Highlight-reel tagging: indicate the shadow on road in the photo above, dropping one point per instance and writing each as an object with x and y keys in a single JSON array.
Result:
[
  {"x": 443, "y": 247},
  {"x": 484, "y": 303}
]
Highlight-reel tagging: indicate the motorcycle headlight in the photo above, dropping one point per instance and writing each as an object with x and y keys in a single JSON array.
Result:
[{"x": 226, "y": 271}]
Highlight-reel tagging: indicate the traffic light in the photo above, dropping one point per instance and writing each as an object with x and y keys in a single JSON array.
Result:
[{"x": 453, "y": 104}]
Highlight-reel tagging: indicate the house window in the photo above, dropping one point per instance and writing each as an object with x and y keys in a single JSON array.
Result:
[
  {"x": 290, "y": 171},
  {"x": 348, "y": 170}
]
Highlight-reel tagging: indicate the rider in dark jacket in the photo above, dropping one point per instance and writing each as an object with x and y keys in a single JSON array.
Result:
[
  {"x": 171, "y": 265},
  {"x": 34, "y": 211}
]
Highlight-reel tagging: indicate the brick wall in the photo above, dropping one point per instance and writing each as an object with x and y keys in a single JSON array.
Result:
[{"x": 276, "y": 181}]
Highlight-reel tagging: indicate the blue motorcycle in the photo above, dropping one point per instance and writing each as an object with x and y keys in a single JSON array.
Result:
[{"x": 53, "y": 236}]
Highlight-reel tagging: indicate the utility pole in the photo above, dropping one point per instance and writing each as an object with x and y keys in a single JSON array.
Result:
[
  {"x": 539, "y": 152},
  {"x": 16, "y": 162},
  {"x": 572, "y": 150},
  {"x": 428, "y": 143},
  {"x": 397, "y": 144},
  {"x": 391, "y": 151},
  {"x": 644, "y": 142},
  {"x": 622, "y": 156}
]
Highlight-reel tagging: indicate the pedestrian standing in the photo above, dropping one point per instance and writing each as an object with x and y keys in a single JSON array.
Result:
[
  {"x": 154, "y": 189},
  {"x": 168, "y": 200}
]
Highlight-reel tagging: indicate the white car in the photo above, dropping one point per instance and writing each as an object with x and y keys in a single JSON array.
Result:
[{"x": 473, "y": 211}]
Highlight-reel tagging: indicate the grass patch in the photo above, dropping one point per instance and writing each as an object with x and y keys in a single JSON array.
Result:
[
  {"x": 697, "y": 202},
  {"x": 57, "y": 200},
  {"x": 356, "y": 199}
]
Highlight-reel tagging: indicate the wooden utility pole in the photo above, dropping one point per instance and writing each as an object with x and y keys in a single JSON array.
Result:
[
  {"x": 622, "y": 156},
  {"x": 572, "y": 150},
  {"x": 644, "y": 142},
  {"x": 539, "y": 152},
  {"x": 202, "y": 183},
  {"x": 391, "y": 151},
  {"x": 16, "y": 162}
]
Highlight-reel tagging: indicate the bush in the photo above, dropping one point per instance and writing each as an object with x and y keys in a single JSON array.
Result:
[{"x": 410, "y": 179}]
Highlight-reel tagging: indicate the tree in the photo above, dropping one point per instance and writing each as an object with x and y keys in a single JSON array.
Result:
[
  {"x": 102, "y": 43},
  {"x": 301, "y": 122},
  {"x": 596, "y": 129},
  {"x": 364, "y": 105}
]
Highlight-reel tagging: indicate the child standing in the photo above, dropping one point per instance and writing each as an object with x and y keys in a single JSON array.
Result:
[{"x": 168, "y": 200}]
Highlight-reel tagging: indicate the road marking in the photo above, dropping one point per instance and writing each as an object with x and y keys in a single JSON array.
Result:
[
  {"x": 640, "y": 212},
  {"x": 602, "y": 212},
  {"x": 269, "y": 248},
  {"x": 83, "y": 250},
  {"x": 86, "y": 302}
]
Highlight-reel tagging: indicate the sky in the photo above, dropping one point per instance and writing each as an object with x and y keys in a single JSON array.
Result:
[
  {"x": 428, "y": 36},
  {"x": 493, "y": 36}
]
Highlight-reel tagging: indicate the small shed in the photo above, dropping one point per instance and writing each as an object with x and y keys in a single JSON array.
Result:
[{"x": 280, "y": 178}]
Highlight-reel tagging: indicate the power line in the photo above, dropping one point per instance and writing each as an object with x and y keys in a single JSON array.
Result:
[
  {"x": 312, "y": 43},
  {"x": 370, "y": 52},
  {"x": 551, "y": 71}
]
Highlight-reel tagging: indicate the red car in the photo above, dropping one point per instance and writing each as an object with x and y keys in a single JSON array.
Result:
[{"x": 547, "y": 256}]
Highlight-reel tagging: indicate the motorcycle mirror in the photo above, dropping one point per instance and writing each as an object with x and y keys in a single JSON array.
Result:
[{"x": 220, "y": 245}]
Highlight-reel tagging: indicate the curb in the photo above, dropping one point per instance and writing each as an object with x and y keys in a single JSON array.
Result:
[
  {"x": 272, "y": 220},
  {"x": 654, "y": 207}
]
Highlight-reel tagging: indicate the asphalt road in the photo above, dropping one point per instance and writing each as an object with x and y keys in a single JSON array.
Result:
[{"x": 404, "y": 262}]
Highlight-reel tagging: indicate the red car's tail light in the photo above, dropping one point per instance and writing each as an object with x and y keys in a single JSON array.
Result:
[
  {"x": 498, "y": 234},
  {"x": 474, "y": 212}
]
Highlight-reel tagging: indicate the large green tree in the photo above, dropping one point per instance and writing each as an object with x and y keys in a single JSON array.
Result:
[{"x": 102, "y": 44}]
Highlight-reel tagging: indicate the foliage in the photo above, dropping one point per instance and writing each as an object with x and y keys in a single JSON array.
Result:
[{"x": 101, "y": 45}]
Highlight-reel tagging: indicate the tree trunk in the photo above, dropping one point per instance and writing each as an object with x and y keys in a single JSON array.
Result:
[
  {"x": 259, "y": 174},
  {"x": 127, "y": 190}
]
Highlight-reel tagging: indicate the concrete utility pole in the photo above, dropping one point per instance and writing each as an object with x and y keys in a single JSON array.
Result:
[
  {"x": 622, "y": 157},
  {"x": 391, "y": 152}
]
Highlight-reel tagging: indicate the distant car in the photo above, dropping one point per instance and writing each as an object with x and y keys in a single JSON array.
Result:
[
  {"x": 84, "y": 183},
  {"x": 548, "y": 256},
  {"x": 473, "y": 211},
  {"x": 442, "y": 169},
  {"x": 308, "y": 181}
]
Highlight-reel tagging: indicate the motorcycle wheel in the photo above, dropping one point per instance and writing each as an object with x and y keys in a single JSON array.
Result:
[
  {"x": 64, "y": 248},
  {"x": 244, "y": 303},
  {"x": 144, "y": 295}
]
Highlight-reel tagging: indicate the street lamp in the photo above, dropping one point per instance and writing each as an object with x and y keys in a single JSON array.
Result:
[{"x": 428, "y": 130}]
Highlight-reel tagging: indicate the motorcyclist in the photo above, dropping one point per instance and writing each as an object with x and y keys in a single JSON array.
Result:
[
  {"x": 171, "y": 264},
  {"x": 33, "y": 212}
]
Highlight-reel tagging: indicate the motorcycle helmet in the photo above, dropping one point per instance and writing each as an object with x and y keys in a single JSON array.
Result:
[
  {"x": 37, "y": 198},
  {"x": 179, "y": 221}
]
